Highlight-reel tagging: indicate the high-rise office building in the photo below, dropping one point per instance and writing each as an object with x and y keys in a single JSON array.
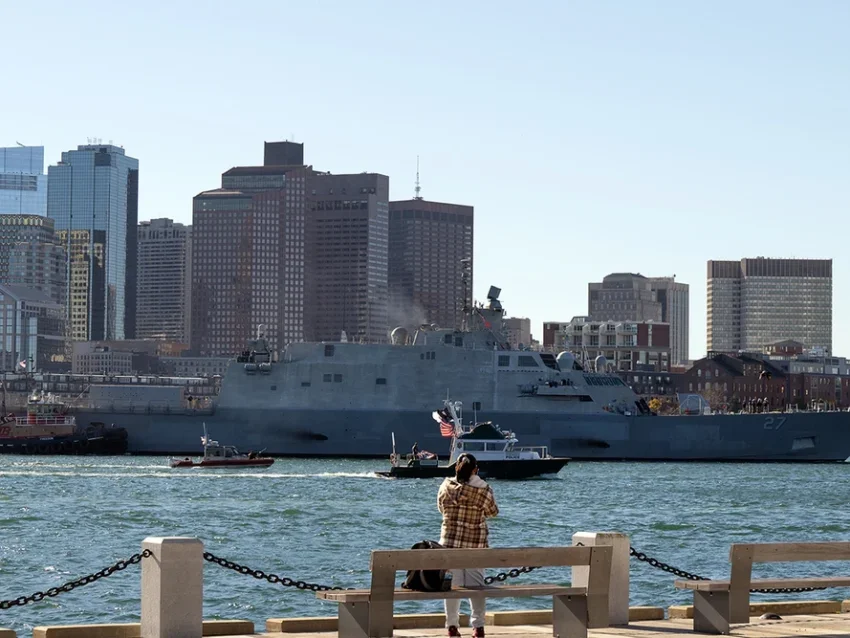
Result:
[
  {"x": 674, "y": 298},
  {"x": 23, "y": 184},
  {"x": 346, "y": 257},
  {"x": 430, "y": 263},
  {"x": 248, "y": 257},
  {"x": 164, "y": 280},
  {"x": 634, "y": 297},
  {"x": 297, "y": 254},
  {"x": 93, "y": 196},
  {"x": 753, "y": 303},
  {"x": 32, "y": 331}
]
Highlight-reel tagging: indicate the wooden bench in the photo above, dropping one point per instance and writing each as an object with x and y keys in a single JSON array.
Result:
[
  {"x": 717, "y": 603},
  {"x": 368, "y": 613}
]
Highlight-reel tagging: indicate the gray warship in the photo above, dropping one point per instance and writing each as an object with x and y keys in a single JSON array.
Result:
[{"x": 345, "y": 399}]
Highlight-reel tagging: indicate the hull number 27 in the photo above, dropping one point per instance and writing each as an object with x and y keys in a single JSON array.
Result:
[{"x": 774, "y": 423}]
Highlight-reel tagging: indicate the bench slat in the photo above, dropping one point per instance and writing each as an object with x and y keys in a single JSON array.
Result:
[
  {"x": 483, "y": 558},
  {"x": 763, "y": 583},
  {"x": 782, "y": 552},
  {"x": 513, "y": 591}
]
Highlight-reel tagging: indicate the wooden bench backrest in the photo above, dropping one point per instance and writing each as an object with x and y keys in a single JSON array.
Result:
[
  {"x": 787, "y": 552},
  {"x": 743, "y": 555},
  {"x": 502, "y": 558},
  {"x": 385, "y": 564}
]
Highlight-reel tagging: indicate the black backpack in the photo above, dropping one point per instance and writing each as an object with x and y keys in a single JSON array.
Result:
[{"x": 425, "y": 579}]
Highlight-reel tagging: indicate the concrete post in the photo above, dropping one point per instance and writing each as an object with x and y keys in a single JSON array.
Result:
[
  {"x": 618, "y": 600},
  {"x": 172, "y": 588}
]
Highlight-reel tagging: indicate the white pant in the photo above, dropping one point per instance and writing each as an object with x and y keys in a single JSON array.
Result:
[{"x": 466, "y": 578}]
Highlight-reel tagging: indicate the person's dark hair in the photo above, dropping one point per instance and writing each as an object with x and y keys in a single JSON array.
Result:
[{"x": 464, "y": 467}]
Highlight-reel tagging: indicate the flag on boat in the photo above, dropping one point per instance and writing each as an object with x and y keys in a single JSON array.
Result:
[
  {"x": 447, "y": 428},
  {"x": 23, "y": 363}
]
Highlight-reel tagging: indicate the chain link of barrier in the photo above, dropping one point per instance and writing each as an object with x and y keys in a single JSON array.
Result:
[
  {"x": 654, "y": 562},
  {"x": 72, "y": 585}
]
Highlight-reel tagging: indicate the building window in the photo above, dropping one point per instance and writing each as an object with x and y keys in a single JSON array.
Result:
[
  {"x": 447, "y": 339},
  {"x": 329, "y": 350},
  {"x": 337, "y": 378},
  {"x": 526, "y": 361},
  {"x": 327, "y": 378},
  {"x": 380, "y": 381},
  {"x": 476, "y": 405},
  {"x": 273, "y": 388},
  {"x": 504, "y": 361}
]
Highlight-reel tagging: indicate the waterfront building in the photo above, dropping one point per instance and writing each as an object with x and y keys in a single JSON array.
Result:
[
  {"x": 163, "y": 289},
  {"x": 430, "y": 263},
  {"x": 30, "y": 254},
  {"x": 755, "y": 302},
  {"x": 551, "y": 330},
  {"x": 626, "y": 345},
  {"x": 248, "y": 246},
  {"x": 517, "y": 331},
  {"x": 32, "y": 331},
  {"x": 634, "y": 297},
  {"x": 347, "y": 258},
  {"x": 93, "y": 196},
  {"x": 23, "y": 184}
]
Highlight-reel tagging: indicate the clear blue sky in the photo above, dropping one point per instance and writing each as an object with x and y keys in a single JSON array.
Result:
[{"x": 590, "y": 136}]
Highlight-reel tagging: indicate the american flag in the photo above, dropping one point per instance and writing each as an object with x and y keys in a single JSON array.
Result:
[{"x": 446, "y": 429}]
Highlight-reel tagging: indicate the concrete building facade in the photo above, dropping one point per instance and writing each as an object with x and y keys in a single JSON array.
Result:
[
  {"x": 634, "y": 297},
  {"x": 518, "y": 331},
  {"x": 163, "y": 285},
  {"x": 753, "y": 303},
  {"x": 430, "y": 263},
  {"x": 627, "y": 345}
]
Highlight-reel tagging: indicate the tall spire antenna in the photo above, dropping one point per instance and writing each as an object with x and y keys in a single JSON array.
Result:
[{"x": 418, "y": 188}]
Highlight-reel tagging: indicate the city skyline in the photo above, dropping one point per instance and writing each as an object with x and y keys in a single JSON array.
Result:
[{"x": 630, "y": 122}]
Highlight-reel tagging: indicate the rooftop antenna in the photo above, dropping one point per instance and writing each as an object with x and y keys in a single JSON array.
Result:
[
  {"x": 19, "y": 144},
  {"x": 418, "y": 188}
]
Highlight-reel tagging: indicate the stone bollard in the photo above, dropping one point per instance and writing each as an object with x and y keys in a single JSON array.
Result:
[
  {"x": 618, "y": 593},
  {"x": 172, "y": 588}
]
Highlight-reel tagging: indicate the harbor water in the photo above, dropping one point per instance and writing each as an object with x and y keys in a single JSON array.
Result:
[{"x": 317, "y": 520}]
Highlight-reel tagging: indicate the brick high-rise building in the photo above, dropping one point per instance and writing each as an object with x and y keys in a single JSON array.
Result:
[
  {"x": 164, "y": 280},
  {"x": 430, "y": 251},
  {"x": 347, "y": 257},
  {"x": 756, "y": 302},
  {"x": 248, "y": 259}
]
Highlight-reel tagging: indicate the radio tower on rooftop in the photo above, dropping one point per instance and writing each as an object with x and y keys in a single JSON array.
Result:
[{"x": 418, "y": 188}]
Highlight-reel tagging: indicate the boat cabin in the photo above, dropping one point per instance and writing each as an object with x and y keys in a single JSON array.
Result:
[{"x": 487, "y": 442}]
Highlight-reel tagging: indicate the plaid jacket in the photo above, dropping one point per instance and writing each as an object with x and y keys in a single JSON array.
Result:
[{"x": 465, "y": 508}]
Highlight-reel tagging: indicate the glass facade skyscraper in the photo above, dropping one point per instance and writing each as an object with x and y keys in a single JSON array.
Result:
[
  {"x": 23, "y": 185},
  {"x": 93, "y": 196}
]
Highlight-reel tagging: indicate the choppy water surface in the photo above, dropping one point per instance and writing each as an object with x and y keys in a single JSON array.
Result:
[{"x": 317, "y": 520}]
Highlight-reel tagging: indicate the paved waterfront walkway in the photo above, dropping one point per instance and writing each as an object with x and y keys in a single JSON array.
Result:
[{"x": 820, "y": 626}]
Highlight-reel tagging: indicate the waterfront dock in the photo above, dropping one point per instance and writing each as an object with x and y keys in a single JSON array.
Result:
[{"x": 596, "y": 604}]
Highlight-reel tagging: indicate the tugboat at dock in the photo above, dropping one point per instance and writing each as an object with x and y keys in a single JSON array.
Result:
[
  {"x": 48, "y": 428},
  {"x": 495, "y": 450}
]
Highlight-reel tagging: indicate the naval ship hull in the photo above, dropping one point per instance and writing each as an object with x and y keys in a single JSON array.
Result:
[{"x": 767, "y": 437}]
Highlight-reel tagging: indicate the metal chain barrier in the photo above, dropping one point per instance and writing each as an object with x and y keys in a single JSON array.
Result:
[
  {"x": 303, "y": 585},
  {"x": 80, "y": 582},
  {"x": 261, "y": 575},
  {"x": 654, "y": 562}
]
